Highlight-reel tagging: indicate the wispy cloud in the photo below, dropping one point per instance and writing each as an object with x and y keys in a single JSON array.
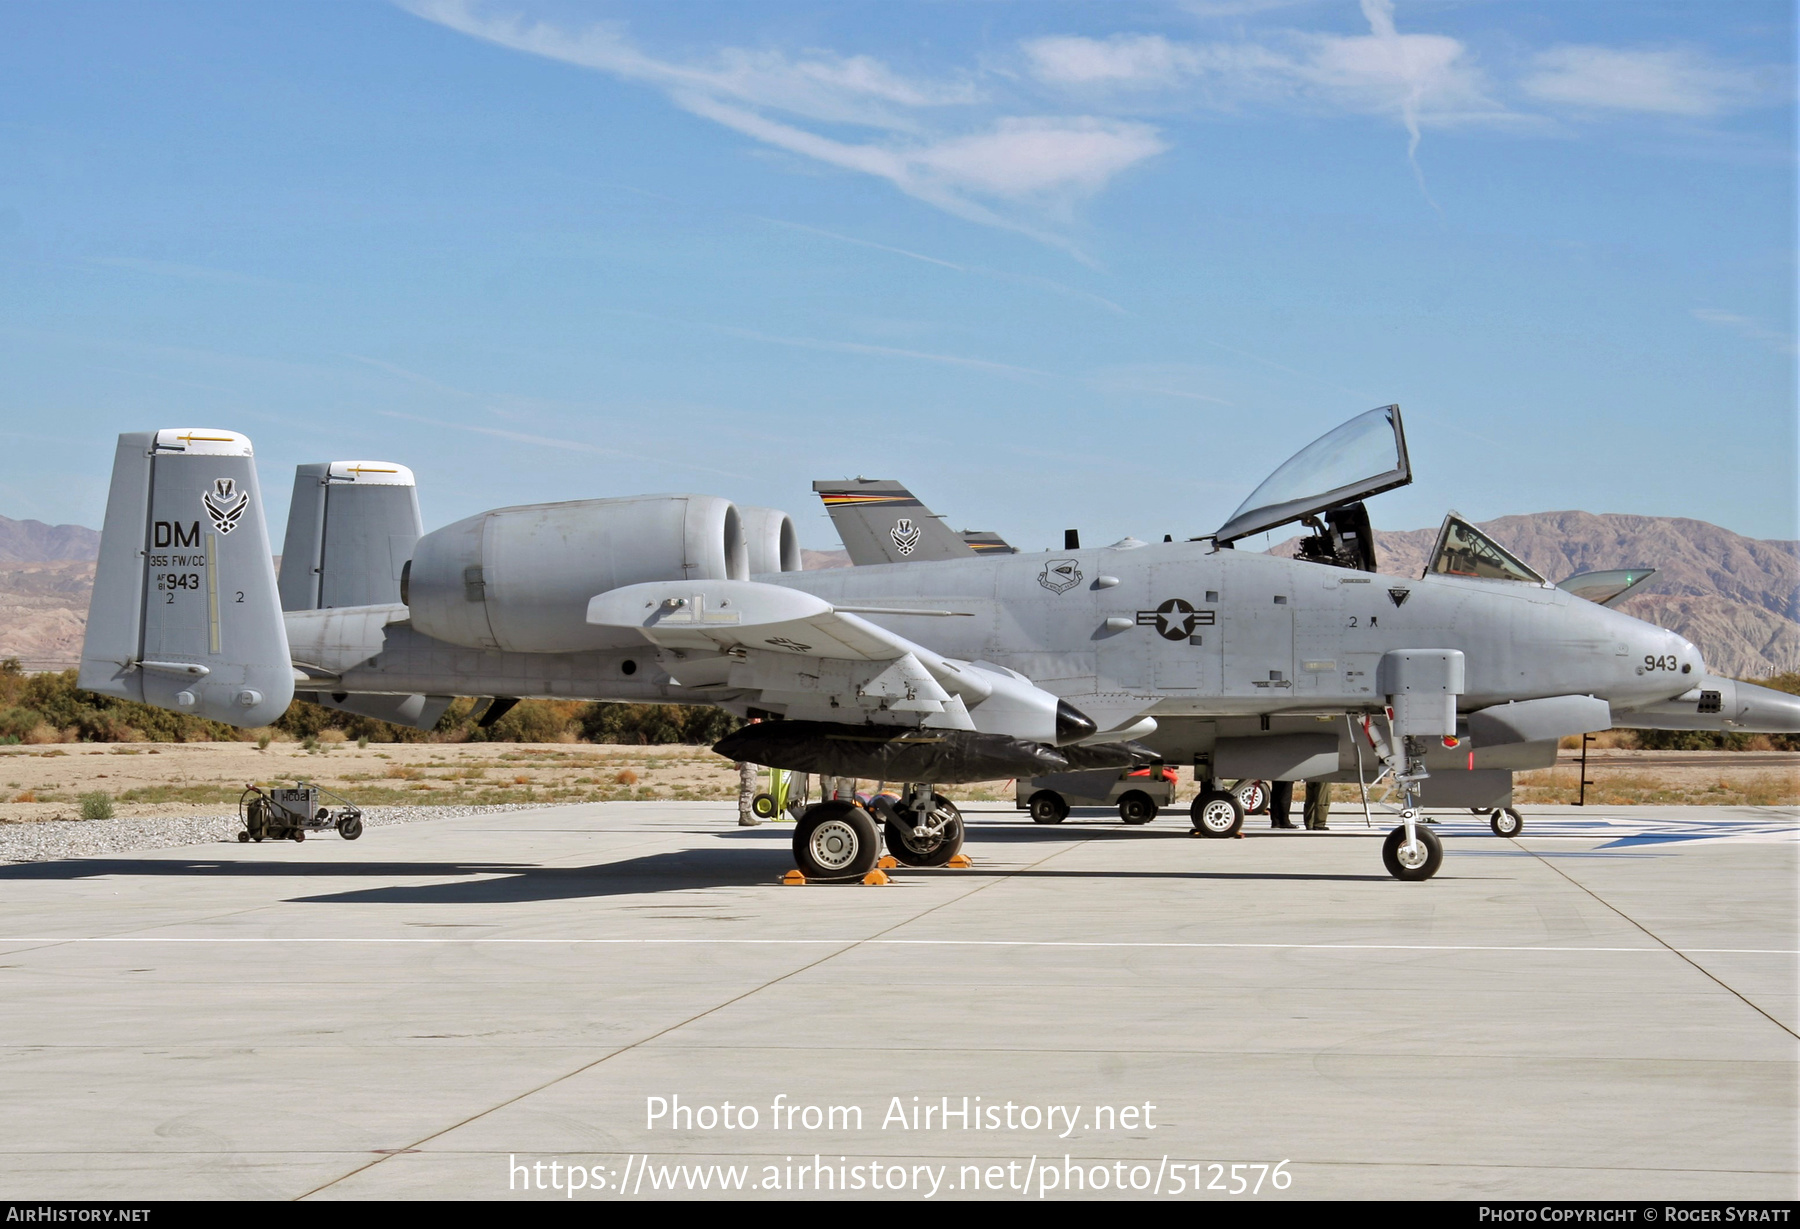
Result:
[
  {"x": 1746, "y": 326},
  {"x": 1023, "y": 279},
  {"x": 192, "y": 273},
  {"x": 1001, "y": 171},
  {"x": 412, "y": 377},
  {"x": 1421, "y": 80},
  {"x": 561, "y": 445},
  {"x": 866, "y": 243},
  {"x": 1668, "y": 81},
  {"x": 857, "y": 347}
]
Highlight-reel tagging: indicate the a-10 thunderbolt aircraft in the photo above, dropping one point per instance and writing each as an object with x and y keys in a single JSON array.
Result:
[{"x": 925, "y": 673}]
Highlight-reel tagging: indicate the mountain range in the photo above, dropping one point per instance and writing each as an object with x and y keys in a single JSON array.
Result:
[{"x": 1737, "y": 598}]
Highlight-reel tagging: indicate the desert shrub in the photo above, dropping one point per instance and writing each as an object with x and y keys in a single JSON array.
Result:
[
  {"x": 97, "y": 805},
  {"x": 653, "y": 724}
]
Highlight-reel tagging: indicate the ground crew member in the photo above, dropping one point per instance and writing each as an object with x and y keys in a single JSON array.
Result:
[
  {"x": 1318, "y": 804},
  {"x": 1281, "y": 804},
  {"x": 746, "y": 792}
]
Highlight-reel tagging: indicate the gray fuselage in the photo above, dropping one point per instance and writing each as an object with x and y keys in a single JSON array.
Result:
[{"x": 1173, "y": 630}]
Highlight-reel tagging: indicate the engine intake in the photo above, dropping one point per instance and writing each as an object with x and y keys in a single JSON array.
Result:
[{"x": 519, "y": 579}]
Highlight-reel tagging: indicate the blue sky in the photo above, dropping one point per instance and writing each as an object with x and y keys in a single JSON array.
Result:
[{"x": 1053, "y": 265}]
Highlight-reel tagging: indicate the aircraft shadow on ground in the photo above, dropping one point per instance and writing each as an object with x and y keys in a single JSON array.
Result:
[{"x": 477, "y": 882}]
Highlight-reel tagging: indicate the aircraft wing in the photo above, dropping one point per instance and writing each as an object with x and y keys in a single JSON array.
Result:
[{"x": 792, "y": 652}]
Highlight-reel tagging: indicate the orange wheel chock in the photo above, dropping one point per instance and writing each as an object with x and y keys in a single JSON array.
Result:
[
  {"x": 887, "y": 863},
  {"x": 960, "y": 862},
  {"x": 794, "y": 879},
  {"x": 876, "y": 878}
]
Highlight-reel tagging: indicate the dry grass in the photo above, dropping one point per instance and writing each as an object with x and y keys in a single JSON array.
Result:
[
  {"x": 1692, "y": 787},
  {"x": 46, "y": 782}
]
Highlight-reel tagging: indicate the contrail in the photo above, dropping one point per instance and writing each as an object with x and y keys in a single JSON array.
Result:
[{"x": 1380, "y": 15}]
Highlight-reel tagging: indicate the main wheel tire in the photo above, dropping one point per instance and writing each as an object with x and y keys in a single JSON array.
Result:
[
  {"x": 910, "y": 850},
  {"x": 1047, "y": 807},
  {"x": 1506, "y": 822},
  {"x": 762, "y": 806},
  {"x": 350, "y": 827},
  {"x": 1252, "y": 796},
  {"x": 1216, "y": 814},
  {"x": 835, "y": 840},
  {"x": 1416, "y": 865},
  {"x": 1136, "y": 807}
]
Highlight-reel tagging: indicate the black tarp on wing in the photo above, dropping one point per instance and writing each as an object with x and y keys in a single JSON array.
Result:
[{"x": 892, "y": 753}]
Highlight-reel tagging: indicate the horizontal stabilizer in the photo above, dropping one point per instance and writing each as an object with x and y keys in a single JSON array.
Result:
[{"x": 414, "y": 712}]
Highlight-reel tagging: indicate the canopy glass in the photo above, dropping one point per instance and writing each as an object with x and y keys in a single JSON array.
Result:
[
  {"x": 1606, "y": 588},
  {"x": 1463, "y": 550},
  {"x": 1363, "y": 457}
]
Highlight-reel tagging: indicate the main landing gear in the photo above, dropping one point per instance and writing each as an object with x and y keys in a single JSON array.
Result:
[{"x": 840, "y": 840}]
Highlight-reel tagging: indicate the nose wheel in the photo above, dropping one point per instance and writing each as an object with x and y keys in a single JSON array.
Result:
[
  {"x": 1506, "y": 822},
  {"x": 1415, "y": 859}
]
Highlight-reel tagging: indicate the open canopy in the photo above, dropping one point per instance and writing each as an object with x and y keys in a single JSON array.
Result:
[{"x": 1363, "y": 457}]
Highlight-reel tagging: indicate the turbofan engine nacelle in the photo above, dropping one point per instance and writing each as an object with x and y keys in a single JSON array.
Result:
[
  {"x": 519, "y": 579},
  {"x": 773, "y": 543}
]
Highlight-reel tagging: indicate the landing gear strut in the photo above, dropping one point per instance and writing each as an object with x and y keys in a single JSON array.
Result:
[{"x": 1412, "y": 851}]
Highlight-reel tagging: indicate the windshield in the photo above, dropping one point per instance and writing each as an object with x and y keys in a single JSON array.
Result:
[
  {"x": 1364, "y": 456},
  {"x": 1463, "y": 550},
  {"x": 1606, "y": 588}
]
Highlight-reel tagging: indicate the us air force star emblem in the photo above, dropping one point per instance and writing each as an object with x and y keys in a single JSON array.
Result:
[
  {"x": 905, "y": 535},
  {"x": 1175, "y": 619},
  {"x": 1060, "y": 575},
  {"x": 225, "y": 504}
]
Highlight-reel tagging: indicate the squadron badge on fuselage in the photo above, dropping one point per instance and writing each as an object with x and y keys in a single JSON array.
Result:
[{"x": 1060, "y": 575}]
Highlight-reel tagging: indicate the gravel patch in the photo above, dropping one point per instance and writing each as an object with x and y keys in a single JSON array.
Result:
[{"x": 55, "y": 839}]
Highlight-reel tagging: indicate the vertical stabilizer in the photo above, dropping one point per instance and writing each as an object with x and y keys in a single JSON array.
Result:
[
  {"x": 184, "y": 613},
  {"x": 881, "y": 521},
  {"x": 351, "y": 528}
]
